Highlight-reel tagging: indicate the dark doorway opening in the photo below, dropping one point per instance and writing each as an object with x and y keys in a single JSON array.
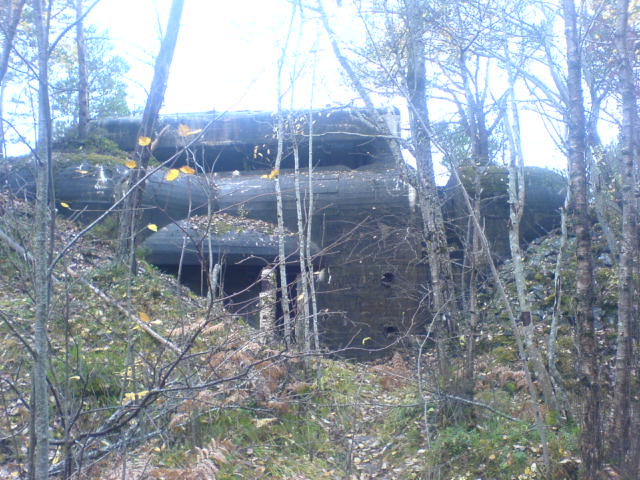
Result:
[{"x": 240, "y": 287}]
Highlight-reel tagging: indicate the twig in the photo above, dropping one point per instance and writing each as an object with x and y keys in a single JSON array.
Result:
[
  {"x": 478, "y": 404},
  {"x": 133, "y": 318},
  {"x": 27, "y": 256},
  {"x": 18, "y": 335}
]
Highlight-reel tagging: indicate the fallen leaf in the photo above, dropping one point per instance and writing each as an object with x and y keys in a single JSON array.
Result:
[
  {"x": 261, "y": 422},
  {"x": 172, "y": 174},
  {"x": 144, "y": 317},
  {"x": 134, "y": 395},
  {"x": 144, "y": 141},
  {"x": 218, "y": 456},
  {"x": 187, "y": 170},
  {"x": 218, "y": 327}
]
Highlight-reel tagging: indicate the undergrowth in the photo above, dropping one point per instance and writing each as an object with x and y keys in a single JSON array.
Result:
[{"x": 276, "y": 421}]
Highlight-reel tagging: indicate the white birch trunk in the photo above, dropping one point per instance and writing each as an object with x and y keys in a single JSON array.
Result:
[
  {"x": 516, "y": 189},
  {"x": 42, "y": 278},
  {"x": 267, "y": 304}
]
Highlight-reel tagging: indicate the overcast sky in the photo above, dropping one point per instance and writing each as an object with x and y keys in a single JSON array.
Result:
[{"x": 226, "y": 55}]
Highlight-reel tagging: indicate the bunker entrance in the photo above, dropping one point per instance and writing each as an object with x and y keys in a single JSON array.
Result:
[{"x": 239, "y": 288}]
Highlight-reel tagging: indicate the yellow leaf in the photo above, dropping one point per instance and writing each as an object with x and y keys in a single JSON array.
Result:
[
  {"x": 82, "y": 172},
  {"x": 64, "y": 204},
  {"x": 261, "y": 422},
  {"x": 153, "y": 227},
  {"x": 366, "y": 339},
  {"x": 273, "y": 174},
  {"x": 144, "y": 317},
  {"x": 185, "y": 131},
  {"x": 75, "y": 377},
  {"x": 134, "y": 395},
  {"x": 131, "y": 164},
  {"x": 172, "y": 174},
  {"x": 187, "y": 170},
  {"x": 144, "y": 141}
]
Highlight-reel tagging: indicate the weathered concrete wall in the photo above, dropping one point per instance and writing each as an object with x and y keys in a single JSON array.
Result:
[
  {"x": 544, "y": 195},
  {"x": 246, "y": 140},
  {"x": 366, "y": 231},
  {"x": 91, "y": 184}
]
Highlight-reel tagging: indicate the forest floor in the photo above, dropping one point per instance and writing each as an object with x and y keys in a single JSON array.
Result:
[{"x": 236, "y": 407}]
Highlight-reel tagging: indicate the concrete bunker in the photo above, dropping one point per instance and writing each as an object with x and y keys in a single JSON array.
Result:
[
  {"x": 364, "y": 226},
  {"x": 372, "y": 277}
]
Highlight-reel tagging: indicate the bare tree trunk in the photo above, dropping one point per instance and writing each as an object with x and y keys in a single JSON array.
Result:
[
  {"x": 557, "y": 312},
  {"x": 42, "y": 257},
  {"x": 12, "y": 14},
  {"x": 3, "y": 143},
  {"x": 393, "y": 138},
  {"x": 280, "y": 134},
  {"x": 282, "y": 258},
  {"x": 303, "y": 290},
  {"x": 83, "y": 77},
  {"x": 443, "y": 301},
  {"x": 267, "y": 304},
  {"x": 522, "y": 352},
  {"x": 600, "y": 187},
  {"x": 517, "y": 203},
  {"x": 590, "y": 441},
  {"x": 619, "y": 437},
  {"x": 473, "y": 251},
  {"x": 307, "y": 246},
  {"x": 474, "y": 118},
  {"x": 129, "y": 218}
]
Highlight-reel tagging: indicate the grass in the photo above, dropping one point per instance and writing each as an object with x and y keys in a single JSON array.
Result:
[{"x": 314, "y": 434}]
